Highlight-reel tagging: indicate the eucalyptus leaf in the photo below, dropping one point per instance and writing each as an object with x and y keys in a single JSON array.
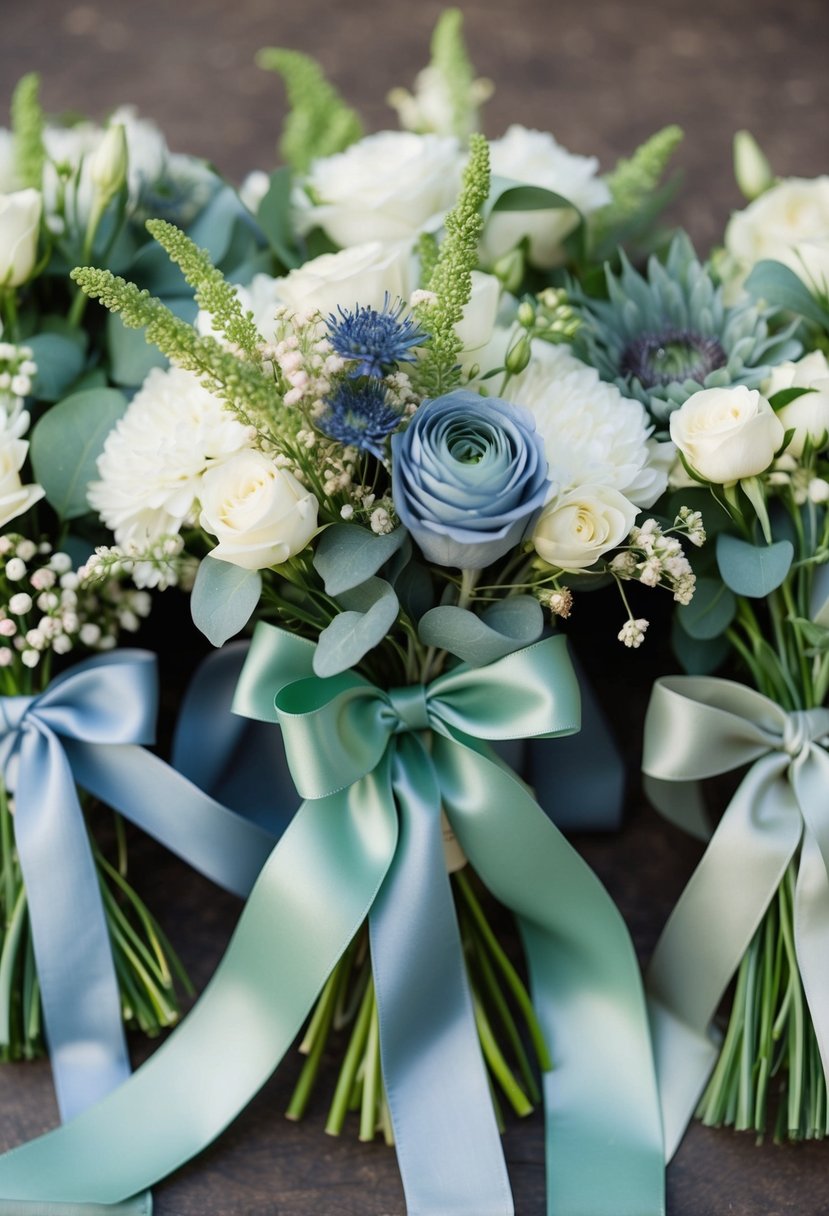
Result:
[
  {"x": 275, "y": 218},
  {"x": 819, "y": 602},
  {"x": 223, "y": 599},
  {"x": 753, "y": 570},
  {"x": 415, "y": 590},
  {"x": 60, "y": 360},
  {"x": 710, "y": 612},
  {"x": 66, "y": 444},
  {"x": 506, "y": 627},
  {"x": 348, "y": 554},
  {"x": 815, "y": 636},
  {"x": 778, "y": 284},
  {"x": 370, "y": 611},
  {"x": 214, "y": 228},
  {"x": 697, "y": 656}
]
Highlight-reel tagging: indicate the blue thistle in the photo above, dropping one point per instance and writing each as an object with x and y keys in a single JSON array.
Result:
[
  {"x": 375, "y": 341},
  {"x": 360, "y": 416}
]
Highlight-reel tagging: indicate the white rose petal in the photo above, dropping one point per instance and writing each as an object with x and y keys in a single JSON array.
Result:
[
  {"x": 727, "y": 434},
  {"x": 476, "y": 327},
  {"x": 19, "y": 227},
  {"x": 808, "y": 415},
  {"x": 577, "y": 528},
  {"x": 259, "y": 514},
  {"x": 793, "y": 211}
]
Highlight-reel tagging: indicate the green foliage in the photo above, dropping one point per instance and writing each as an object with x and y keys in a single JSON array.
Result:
[
  {"x": 753, "y": 570},
  {"x": 633, "y": 187},
  {"x": 370, "y": 611},
  {"x": 223, "y": 599},
  {"x": 213, "y": 292},
  {"x": 67, "y": 442},
  {"x": 240, "y": 384},
  {"x": 319, "y": 123},
  {"x": 27, "y": 126},
  {"x": 776, "y": 284},
  {"x": 451, "y": 60},
  {"x": 347, "y": 555},
  {"x": 437, "y": 369},
  {"x": 427, "y": 252}
]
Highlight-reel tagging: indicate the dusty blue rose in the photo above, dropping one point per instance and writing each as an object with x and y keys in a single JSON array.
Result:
[{"x": 469, "y": 475}]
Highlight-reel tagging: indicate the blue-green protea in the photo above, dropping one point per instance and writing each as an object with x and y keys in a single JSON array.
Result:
[{"x": 664, "y": 336}]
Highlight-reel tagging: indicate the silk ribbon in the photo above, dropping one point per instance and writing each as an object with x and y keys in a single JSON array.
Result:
[
  {"x": 699, "y": 727},
  {"x": 366, "y": 842}
]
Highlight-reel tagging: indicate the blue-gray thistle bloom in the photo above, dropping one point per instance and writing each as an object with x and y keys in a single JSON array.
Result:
[
  {"x": 360, "y": 415},
  {"x": 663, "y": 336},
  {"x": 374, "y": 342}
]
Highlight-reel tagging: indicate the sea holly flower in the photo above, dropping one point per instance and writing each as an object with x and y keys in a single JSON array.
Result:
[
  {"x": 666, "y": 335},
  {"x": 374, "y": 341},
  {"x": 469, "y": 475},
  {"x": 360, "y": 415}
]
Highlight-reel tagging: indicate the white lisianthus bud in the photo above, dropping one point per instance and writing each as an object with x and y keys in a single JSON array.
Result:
[
  {"x": 577, "y": 528},
  {"x": 108, "y": 163},
  {"x": 727, "y": 434},
  {"x": 19, "y": 226},
  {"x": 260, "y": 514},
  {"x": 752, "y": 170}
]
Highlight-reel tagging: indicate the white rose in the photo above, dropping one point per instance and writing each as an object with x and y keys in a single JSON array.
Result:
[
  {"x": 476, "y": 327},
  {"x": 387, "y": 187},
  {"x": 19, "y": 228},
  {"x": 795, "y": 210},
  {"x": 577, "y": 528},
  {"x": 260, "y": 514},
  {"x": 15, "y": 498},
  {"x": 727, "y": 434},
  {"x": 808, "y": 415},
  {"x": 534, "y": 158}
]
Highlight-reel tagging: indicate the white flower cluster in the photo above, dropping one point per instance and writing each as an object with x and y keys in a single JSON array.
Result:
[
  {"x": 656, "y": 559},
  {"x": 160, "y": 564},
  {"x": 46, "y": 608},
  {"x": 301, "y": 351},
  {"x": 17, "y": 372},
  {"x": 632, "y": 632}
]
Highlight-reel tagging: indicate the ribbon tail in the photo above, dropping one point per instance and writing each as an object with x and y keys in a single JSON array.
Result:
[
  {"x": 227, "y": 848},
  {"x": 603, "y": 1128},
  {"x": 312, "y": 896},
  {"x": 709, "y": 931},
  {"x": 811, "y": 906},
  {"x": 448, "y": 1146}
]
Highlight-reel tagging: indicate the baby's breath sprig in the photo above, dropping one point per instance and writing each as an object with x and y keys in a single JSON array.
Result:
[{"x": 160, "y": 564}]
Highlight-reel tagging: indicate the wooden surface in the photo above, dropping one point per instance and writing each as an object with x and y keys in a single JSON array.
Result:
[{"x": 602, "y": 75}]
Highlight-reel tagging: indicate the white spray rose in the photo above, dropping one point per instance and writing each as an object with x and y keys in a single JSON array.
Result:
[
  {"x": 793, "y": 211},
  {"x": 575, "y": 529},
  {"x": 727, "y": 434},
  {"x": 387, "y": 187},
  {"x": 808, "y": 415},
  {"x": 534, "y": 158},
  {"x": 19, "y": 228},
  {"x": 475, "y": 329},
  {"x": 260, "y": 515}
]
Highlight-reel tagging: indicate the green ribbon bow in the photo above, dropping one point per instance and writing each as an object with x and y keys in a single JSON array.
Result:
[
  {"x": 699, "y": 727},
  {"x": 371, "y": 818}
]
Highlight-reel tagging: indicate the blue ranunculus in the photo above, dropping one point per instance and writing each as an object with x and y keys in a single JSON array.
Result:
[{"x": 468, "y": 477}]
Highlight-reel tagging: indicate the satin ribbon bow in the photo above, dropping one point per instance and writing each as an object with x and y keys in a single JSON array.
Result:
[
  {"x": 367, "y": 842},
  {"x": 699, "y": 727}
]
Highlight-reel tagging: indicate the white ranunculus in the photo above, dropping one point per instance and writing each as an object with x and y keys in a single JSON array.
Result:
[
  {"x": 808, "y": 415},
  {"x": 793, "y": 211},
  {"x": 592, "y": 434},
  {"x": 387, "y": 187},
  {"x": 19, "y": 228},
  {"x": 575, "y": 529},
  {"x": 476, "y": 327},
  {"x": 154, "y": 459},
  {"x": 260, "y": 515},
  {"x": 727, "y": 434},
  {"x": 534, "y": 158}
]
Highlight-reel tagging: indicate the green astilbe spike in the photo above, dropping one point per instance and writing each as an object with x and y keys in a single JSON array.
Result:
[
  {"x": 213, "y": 292},
  {"x": 427, "y": 254},
  {"x": 451, "y": 59},
  {"x": 250, "y": 395},
  {"x": 319, "y": 123},
  {"x": 437, "y": 369},
  {"x": 633, "y": 184},
  {"x": 27, "y": 127}
]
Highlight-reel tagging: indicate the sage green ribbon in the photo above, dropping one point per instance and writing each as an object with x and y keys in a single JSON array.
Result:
[
  {"x": 357, "y": 756},
  {"x": 699, "y": 727}
]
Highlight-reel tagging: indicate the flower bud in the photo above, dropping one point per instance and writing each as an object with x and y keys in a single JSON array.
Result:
[
  {"x": 518, "y": 357},
  {"x": 751, "y": 168},
  {"x": 19, "y": 226},
  {"x": 510, "y": 270},
  {"x": 108, "y": 164},
  {"x": 526, "y": 314}
]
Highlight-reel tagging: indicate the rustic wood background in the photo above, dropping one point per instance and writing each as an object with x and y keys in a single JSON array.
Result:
[{"x": 601, "y": 75}]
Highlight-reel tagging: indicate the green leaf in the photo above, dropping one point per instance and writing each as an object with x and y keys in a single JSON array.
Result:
[
  {"x": 370, "y": 611},
  {"x": 60, "y": 360},
  {"x": 213, "y": 230},
  {"x": 223, "y": 599},
  {"x": 505, "y": 627},
  {"x": 815, "y": 636},
  {"x": 778, "y": 284},
  {"x": 508, "y": 195},
  {"x": 274, "y": 218},
  {"x": 347, "y": 555},
  {"x": 753, "y": 570},
  {"x": 698, "y": 657},
  {"x": 787, "y": 395},
  {"x": 710, "y": 612},
  {"x": 67, "y": 442},
  {"x": 819, "y": 599}
]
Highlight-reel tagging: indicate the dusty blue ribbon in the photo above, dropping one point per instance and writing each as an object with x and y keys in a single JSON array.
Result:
[{"x": 87, "y": 728}]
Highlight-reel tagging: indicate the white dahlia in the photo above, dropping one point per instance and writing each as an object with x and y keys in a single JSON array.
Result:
[{"x": 154, "y": 459}]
